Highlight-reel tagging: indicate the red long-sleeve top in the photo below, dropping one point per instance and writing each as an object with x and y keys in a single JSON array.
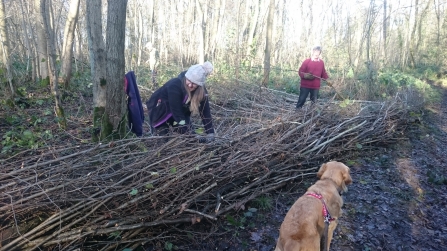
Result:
[{"x": 317, "y": 69}]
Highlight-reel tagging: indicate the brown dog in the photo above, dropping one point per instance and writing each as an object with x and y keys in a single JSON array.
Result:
[{"x": 304, "y": 224}]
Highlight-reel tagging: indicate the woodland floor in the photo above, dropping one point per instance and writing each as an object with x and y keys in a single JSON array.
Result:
[{"x": 398, "y": 200}]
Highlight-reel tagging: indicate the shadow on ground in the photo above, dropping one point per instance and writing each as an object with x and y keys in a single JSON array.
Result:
[{"x": 397, "y": 202}]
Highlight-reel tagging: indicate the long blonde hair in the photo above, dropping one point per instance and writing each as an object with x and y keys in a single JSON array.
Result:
[{"x": 195, "y": 97}]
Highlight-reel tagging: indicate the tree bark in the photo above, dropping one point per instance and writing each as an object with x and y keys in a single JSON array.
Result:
[
  {"x": 5, "y": 48},
  {"x": 51, "y": 49},
  {"x": 412, "y": 36},
  {"x": 67, "y": 47},
  {"x": 268, "y": 43},
  {"x": 41, "y": 43},
  {"x": 384, "y": 31},
  {"x": 97, "y": 63},
  {"x": 214, "y": 29},
  {"x": 200, "y": 33},
  {"x": 251, "y": 46},
  {"x": 114, "y": 120},
  {"x": 139, "y": 34},
  {"x": 419, "y": 32},
  {"x": 29, "y": 48}
]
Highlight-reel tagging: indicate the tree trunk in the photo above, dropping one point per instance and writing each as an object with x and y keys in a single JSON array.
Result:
[
  {"x": 237, "y": 62},
  {"x": 370, "y": 69},
  {"x": 114, "y": 120},
  {"x": 5, "y": 48},
  {"x": 31, "y": 53},
  {"x": 419, "y": 31},
  {"x": 97, "y": 63},
  {"x": 139, "y": 35},
  {"x": 279, "y": 34},
  {"x": 384, "y": 31},
  {"x": 131, "y": 49},
  {"x": 44, "y": 10},
  {"x": 41, "y": 43},
  {"x": 67, "y": 47},
  {"x": 200, "y": 33},
  {"x": 268, "y": 43},
  {"x": 28, "y": 46},
  {"x": 214, "y": 29},
  {"x": 412, "y": 36},
  {"x": 251, "y": 46},
  {"x": 220, "y": 28}
]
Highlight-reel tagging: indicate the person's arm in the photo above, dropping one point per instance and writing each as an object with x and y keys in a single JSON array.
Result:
[
  {"x": 175, "y": 98},
  {"x": 303, "y": 69},
  {"x": 205, "y": 114}
]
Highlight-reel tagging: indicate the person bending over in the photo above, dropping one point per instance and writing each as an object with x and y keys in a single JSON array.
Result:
[{"x": 171, "y": 106}]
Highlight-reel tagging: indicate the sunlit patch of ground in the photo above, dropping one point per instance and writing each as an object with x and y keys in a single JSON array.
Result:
[{"x": 410, "y": 174}]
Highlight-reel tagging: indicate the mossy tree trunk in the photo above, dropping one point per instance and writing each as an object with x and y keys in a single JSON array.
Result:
[
  {"x": 97, "y": 64},
  {"x": 115, "y": 118}
]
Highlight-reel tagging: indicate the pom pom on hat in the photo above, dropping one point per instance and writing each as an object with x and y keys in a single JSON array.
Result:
[
  {"x": 208, "y": 67},
  {"x": 198, "y": 73}
]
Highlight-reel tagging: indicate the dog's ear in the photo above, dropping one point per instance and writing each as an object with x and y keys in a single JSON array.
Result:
[
  {"x": 322, "y": 170},
  {"x": 347, "y": 177}
]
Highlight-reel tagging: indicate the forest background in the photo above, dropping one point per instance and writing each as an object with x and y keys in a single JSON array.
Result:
[
  {"x": 370, "y": 47},
  {"x": 63, "y": 64}
]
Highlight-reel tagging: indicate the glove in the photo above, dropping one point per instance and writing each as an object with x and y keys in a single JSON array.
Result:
[
  {"x": 308, "y": 76},
  {"x": 206, "y": 139}
]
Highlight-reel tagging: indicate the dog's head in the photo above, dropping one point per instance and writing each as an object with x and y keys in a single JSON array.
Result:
[{"x": 336, "y": 171}]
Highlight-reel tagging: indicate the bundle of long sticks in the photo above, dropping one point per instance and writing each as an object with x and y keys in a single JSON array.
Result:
[{"x": 72, "y": 196}]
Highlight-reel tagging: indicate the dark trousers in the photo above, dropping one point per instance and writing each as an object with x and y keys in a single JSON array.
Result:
[
  {"x": 304, "y": 92},
  {"x": 165, "y": 128}
]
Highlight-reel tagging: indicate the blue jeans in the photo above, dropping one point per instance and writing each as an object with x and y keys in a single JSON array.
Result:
[{"x": 304, "y": 92}]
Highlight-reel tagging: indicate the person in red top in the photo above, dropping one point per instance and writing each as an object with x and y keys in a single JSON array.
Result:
[{"x": 311, "y": 72}]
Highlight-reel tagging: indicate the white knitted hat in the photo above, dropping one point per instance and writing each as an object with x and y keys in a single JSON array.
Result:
[{"x": 198, "y": 73}]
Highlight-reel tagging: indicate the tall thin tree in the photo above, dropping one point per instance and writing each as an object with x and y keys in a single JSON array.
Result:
[
  {"x": 67, "y": 47},
  {"x": 200, "y": 20},
  {"x": 97, "y": 52},
  {"x": 5, "y": 47},
  {"x": 268, "y": 43},
  {"x": 114, "y": 119},
  {"x": 51, "y": 49},
  {"x": 41, "y": 50}
]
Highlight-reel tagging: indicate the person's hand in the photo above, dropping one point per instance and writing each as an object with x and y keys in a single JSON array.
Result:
[
  {"x": 308, "y": 76},
  {"x": 207, "y": 139}
]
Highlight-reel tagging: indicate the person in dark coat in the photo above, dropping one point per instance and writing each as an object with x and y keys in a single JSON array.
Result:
[
  {"x": 311, "y": 72},
  {"x": 171, "y": 106}
]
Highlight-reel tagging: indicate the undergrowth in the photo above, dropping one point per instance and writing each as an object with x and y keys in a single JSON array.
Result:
[{"x": 25, "y": 120}]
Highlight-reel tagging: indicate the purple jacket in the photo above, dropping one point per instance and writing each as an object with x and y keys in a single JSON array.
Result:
[{"x": 134, "y": 105}]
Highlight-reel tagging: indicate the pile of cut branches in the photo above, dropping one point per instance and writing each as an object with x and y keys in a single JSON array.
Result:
[{"x": 104, "y": 196}]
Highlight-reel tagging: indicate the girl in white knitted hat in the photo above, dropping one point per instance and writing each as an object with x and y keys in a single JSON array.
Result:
[{"x": 170, "y": 107}]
